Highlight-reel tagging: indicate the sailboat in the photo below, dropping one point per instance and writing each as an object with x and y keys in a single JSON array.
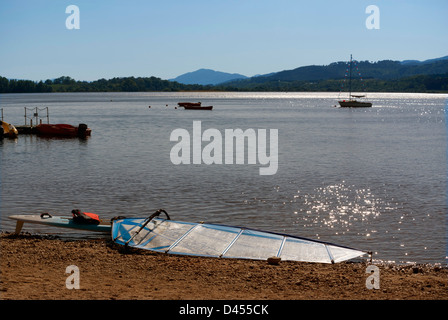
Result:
[{"x": 352, "y": 102}]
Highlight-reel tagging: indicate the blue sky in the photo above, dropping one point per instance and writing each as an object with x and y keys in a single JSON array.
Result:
[{"x": 172, "y": 37}]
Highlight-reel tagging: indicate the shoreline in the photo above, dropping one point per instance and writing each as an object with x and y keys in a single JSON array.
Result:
[{"x": 35, "y": 267}]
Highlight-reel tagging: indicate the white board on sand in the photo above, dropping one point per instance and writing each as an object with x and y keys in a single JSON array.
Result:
[{"x": 62, "y": 222}]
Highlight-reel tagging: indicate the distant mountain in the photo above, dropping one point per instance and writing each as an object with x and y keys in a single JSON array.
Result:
[
  {"x": 207, "y": 77},
  {"x": 425, "y": 61},
  {"x": 380, "y": 70},
  {"x": 382, "y": 76}
]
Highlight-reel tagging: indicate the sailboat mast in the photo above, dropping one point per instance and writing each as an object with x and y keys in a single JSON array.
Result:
[
  {"x": 352, "y": 103},
  {"x": 350, "y": 80}
]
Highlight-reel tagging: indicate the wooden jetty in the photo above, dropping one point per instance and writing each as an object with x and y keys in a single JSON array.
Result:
[{"x": 34, "y": 124}]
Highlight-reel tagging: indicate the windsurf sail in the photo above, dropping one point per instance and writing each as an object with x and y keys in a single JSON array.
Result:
[{"x": 221, "y": 241}]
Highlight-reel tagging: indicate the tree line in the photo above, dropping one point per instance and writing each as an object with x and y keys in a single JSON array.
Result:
[
  {"x": 416, "y": 83},
  {"x": 67, "y": 84}
]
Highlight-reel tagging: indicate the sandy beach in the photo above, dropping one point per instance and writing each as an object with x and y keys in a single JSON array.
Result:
[{"x": 34, "y": 267}]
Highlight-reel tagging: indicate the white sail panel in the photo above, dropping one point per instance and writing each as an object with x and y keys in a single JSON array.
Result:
[
  {"x": 255, "y": 245},
  {"x": 304, "y": 250},
  {"x": 342, "y": 254},
  {"x": 158, "y": 235},
  {"x": 206, "y": 240}
]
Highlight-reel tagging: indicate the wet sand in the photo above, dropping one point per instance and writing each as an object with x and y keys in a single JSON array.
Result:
[{"x": 34, "y": 267}]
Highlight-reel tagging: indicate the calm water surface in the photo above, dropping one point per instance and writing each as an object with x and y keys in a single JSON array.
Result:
[{"x": 373, "y": 179}]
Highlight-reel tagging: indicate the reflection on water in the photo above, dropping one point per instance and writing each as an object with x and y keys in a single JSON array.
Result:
[{"x": 340, "y": 206}]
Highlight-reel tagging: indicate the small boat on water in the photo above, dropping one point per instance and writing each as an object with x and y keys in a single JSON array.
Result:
[
  {"x": 189, "y": 104},
  {"x": 8, "y": 130},
  {"x": 194, "y": 106},
  {"x": 351, "y": 102},
  {"x": 64, "y": 130},
  {"x": 198, "y": 108}
]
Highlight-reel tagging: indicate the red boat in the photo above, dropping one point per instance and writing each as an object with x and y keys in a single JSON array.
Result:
[
  {"x": 64, "y": 130},
  {"x": 189, "y": 104},
  {"x": 198, "y": 108},
  {"x": 193, "y": 106}
]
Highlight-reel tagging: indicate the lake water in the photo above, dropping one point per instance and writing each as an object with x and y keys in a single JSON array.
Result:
[{"x": 373, "y": 179}]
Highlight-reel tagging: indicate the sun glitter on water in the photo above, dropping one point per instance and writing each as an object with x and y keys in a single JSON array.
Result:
[{"x": 341, "y": 207}]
